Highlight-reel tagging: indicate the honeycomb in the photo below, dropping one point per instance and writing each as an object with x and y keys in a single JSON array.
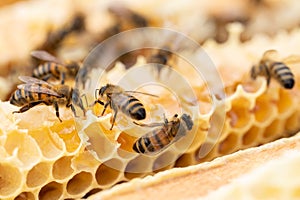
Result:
[
  {"x": 42, "y": 158},
  {"x": 265, "y": 182}
]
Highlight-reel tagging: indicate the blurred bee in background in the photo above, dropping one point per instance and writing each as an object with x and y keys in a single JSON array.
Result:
[
  {"x": 119, "y": 99},
  {"x": 160, "y": 58},
  {"x": 270, "y": 68},
  {"x": 35, "y": 92},
  {"x": 53, "y": 67},
  {"x": 162, "y": 137},
  {"x": 55, "y": 38}
]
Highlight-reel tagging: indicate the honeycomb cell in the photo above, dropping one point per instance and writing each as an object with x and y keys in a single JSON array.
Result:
[
  {"x": 274, "y": 129},
  {"x": 239, "y": 114},
  {"x": 163, "y": 160},
  {"x": 84, "y": 161},
  {"x": 230, "y": 144},
  {"x": 285, "y": 102},
  {"x": 250, "y": 137},
  {"x": 49, "y": 143},
  {"x": 10, "y": 179},
  {"x": 99, "y": 142},
  {"x": 206, "y": 150},
  {"x": 52, "y": 190},
  {"x": 65, "y": 164},
  {"x": 25, "y": 196},
  {"x": 140, "y": 164},
  {"x": 66, "y": 130},
  {"x": 38, "y": 175},
  {"x": 185, "y": 160},
  {"x": 79, "y": 183},
  {"x": 292, "y": 123},
  {"x": 109, "y": 173},
  {"x": 27, "y": 150},
  {"x": 264, "y": 110}
]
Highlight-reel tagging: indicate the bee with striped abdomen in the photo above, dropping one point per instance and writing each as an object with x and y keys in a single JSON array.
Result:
[
  {"x": 270, "y": 68},
  {"x": 119, "y": 99},
  {"x": 162, "y": 137},
  {"x": 35, "y": 92},
  {"x": 53, "y": 67}
]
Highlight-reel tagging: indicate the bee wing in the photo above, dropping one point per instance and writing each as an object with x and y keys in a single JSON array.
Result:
[
  {"x": 38, "y": 89},
  {"x": 45, "y": 56},
  {"x": 32, "y": 80},
  {"x": 144, "y": 93},
  {"x": 270, "y": 54},
  {"x": 293, "y": 59}
]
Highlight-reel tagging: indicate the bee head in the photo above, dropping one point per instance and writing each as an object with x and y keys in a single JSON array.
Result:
[
  {"x": 102, "y": 90},
  {"x": 188, "y": 121}
]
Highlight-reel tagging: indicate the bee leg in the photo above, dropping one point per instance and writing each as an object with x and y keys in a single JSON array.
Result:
[
  {"x": 104, "y": 109},
  {"x": 57, "y": 110},
  {"x": 27, "y": 107},
  {"x": 114, "y": 119}
]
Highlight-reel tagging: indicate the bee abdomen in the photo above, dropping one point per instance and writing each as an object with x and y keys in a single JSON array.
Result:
[
  {"x": 134, "y": 108},
  {"x": 45, "y": 69},
  {"x": 284, "y": 75}
]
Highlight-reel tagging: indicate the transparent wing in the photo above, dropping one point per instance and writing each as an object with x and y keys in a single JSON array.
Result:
[
  {"x": 292, "y": 59},
  {"x": 270, "y": 54},
  {"x": 153, "y": 95},
  {"x": 45, "y": 56},
  {"x": 32, "y": 80},
  {"x": 38, "y": 89}
]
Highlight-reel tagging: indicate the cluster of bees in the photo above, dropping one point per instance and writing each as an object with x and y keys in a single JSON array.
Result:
[{"x": 40, "y": 89}]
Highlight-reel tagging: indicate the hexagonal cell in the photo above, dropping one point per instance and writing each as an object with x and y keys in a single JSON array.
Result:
[
  {"x": 163, "y": 160},
  {"x": 79, "y": 183},
  {"x": 38, "y": 175},
  {"x": 292, "y": 124},
  {"x": 185, "y": 160},
  {"x": 28, "y": 151},
  {"x": 62, "y": 168},
  {"x": 274, "y": 130},
  {"x": 265, "y": 109},
  {"x": 49, "y": 143},
  {"x": 84, "y": 161},
  {"x": 66, "y": 130},
  {"x": 109, "y": 173},
  {"x": 250, "y": 137},
  {"x": 25, "y": 196},
  {"x": 206, "y": 150},
  {"x": 240, "y": 112},
  {"x": 52, "y": 190},
  {"x": 285, "y": 102},
  {"x": 229, "y": 145},
  {"x": 10, "y": 180}
]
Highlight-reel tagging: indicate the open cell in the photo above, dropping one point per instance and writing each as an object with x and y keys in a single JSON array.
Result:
[
  {"x": 250, "y": 137},
  {"x": 264, "y": 110},
  {"x": 79, "y": 183},
  {"x": 185, "y": 160},
  {"x": 28, "y": 151},
  {"x": 25, "y": 196},
  {"x": 109, "y": 172},
  {"x": 52, "y": 190},
  {"x": 229, "y": 145},
  {"x": 239, "y": 114},
  {"x": 38, "y": 175},
  {"x": 285, "y": 102},
  {"x": 165, "y": 159},
  {"x": 274, "y": 130},
  {"x": 292, "y": 123},
  {"x": 10, "y": 180},
  {"x": 65, "y": 164}
]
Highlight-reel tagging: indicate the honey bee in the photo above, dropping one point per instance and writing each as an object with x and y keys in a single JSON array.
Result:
[
  {"x": 119, "y": 99},
  {"x": 159, "y": 59},
  {"x": 53, "y": 67},
  {"x": 162, "y": 137},
  {"x": 271, "y": 68},
  {"x": 126, "y": 16},
  {"x": 55, "y": 38},
  {"x": 35, "y": 92}
]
